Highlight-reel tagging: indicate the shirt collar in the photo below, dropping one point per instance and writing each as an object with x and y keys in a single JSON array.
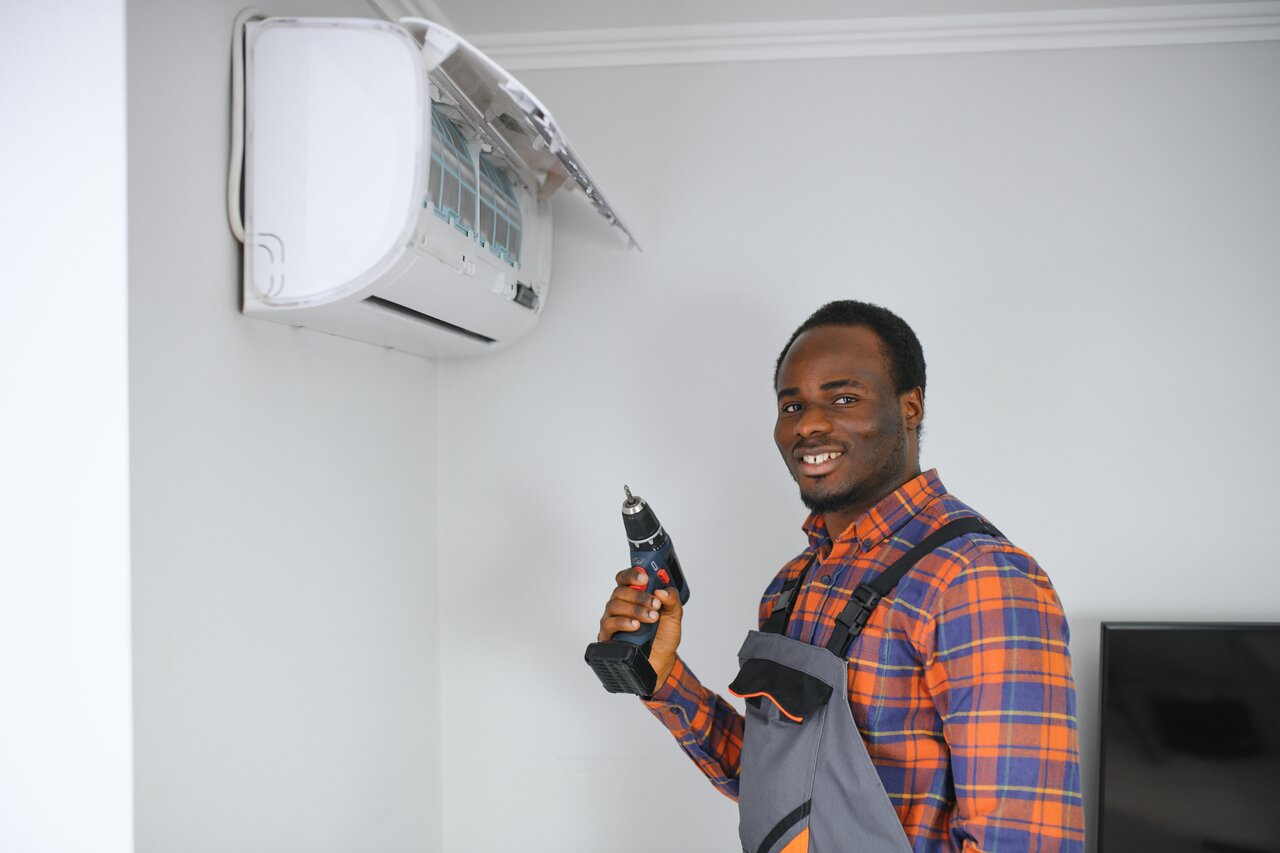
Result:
[{"x": 882, "y": 520}]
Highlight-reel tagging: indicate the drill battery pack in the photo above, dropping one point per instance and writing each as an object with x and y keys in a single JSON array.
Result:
[{"x": 622, "y": 667}]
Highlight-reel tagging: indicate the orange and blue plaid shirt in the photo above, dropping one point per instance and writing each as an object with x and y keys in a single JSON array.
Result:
[{"x": 960, "y": 683}]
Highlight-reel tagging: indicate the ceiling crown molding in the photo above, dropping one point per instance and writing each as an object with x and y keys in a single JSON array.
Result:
[{"x": 1204, "y": 23}]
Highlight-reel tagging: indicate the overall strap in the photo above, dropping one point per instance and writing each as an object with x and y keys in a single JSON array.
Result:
[
  {"x": 786, "y": 602},
  {"x": 862, "y": 603}
]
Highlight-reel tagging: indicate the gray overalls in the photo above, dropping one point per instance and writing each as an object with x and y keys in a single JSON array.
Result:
[{"x": 806, "y": 783}]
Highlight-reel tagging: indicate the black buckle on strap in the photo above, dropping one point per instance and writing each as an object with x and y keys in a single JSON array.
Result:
[
  {"x": 851, "y": 621},
  {"x": 866, "y": 600},
  {"x": 857, "y": 612}
]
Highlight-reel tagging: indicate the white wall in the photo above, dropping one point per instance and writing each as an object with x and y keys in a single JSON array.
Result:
[
  {"x": 284, "y": 514},
  {"x": 1085, "y": 242},
  {"x": 65, "y": 735}
]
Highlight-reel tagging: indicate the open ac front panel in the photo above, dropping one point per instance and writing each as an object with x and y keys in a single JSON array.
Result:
[{"x": 396, "y": 185}]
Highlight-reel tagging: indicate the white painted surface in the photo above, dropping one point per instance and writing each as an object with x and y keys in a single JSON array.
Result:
[
  {"x": 284, "y": 514},
  {"x": 65, "y": 734},
  {"x": 1085, "y": 242}
]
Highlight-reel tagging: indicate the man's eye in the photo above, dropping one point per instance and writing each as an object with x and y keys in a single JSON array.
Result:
[
  {"x": 790, "y": 408},
  {"x": 846, "y": 399}
]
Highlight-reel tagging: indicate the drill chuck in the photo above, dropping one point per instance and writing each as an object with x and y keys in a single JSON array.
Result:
[{"x": 641, "y": 525}]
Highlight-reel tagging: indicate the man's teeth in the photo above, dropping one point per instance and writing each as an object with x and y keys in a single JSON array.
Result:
[{"x": 820, "y": 458}]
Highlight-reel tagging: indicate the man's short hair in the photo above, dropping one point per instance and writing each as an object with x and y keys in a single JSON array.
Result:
[{"x": 901, "y": 346}]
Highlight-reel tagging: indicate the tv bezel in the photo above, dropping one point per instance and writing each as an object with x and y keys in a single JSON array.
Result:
[{"x": 1103, "y": 651}]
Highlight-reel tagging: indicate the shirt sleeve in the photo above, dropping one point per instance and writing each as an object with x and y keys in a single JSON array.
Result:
[
  {"x": 707, "y": 727},
  {"x": 1000, "y": 675}
]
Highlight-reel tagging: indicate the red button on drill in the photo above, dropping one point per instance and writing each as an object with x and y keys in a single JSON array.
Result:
[{"x": 664, "y": 577}]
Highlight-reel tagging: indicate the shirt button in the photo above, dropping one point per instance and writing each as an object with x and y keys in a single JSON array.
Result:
[
  {"x": 826, "y": 579},
  {"x": 675, "y": 709},
  {"x": 866, "y": 544}
]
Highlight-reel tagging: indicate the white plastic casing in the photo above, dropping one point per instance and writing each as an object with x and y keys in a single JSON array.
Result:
[{"x": 340, "y": 234}]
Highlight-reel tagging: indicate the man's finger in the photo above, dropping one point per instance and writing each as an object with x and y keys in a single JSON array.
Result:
[
  {"x": 638, "y": 597},
  {"x": 669, "y": 598},
  {"x": 611, "y": 625},
  {"x": 644, "y": 611},
  {"x": 632, "y": 576}
]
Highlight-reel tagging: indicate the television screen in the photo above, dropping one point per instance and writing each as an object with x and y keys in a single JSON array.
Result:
[{"x": 1190, "y": 738}]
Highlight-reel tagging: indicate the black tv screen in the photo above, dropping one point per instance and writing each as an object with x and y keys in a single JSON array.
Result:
[{"x": 1190, "y": 738}]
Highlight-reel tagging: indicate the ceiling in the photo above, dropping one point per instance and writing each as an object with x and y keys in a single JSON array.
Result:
[{"x": 471, "y": 17}]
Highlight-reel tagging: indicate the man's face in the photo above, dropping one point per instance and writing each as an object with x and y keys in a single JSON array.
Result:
[{"x": 846, "y": 436}]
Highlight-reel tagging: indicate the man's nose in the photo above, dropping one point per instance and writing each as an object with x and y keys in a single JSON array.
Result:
[{"x": 813, "y": 421}]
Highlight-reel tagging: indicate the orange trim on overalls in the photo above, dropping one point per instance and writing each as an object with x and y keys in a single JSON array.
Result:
[
  {"x": 799, "y": 844},
  {"x": 785, "y": 712}
]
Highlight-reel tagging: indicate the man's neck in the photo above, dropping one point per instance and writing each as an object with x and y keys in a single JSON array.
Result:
[{"x": 838, "y": 520}]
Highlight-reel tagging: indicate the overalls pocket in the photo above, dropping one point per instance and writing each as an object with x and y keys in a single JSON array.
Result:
[{"x": 786, "y": 715}]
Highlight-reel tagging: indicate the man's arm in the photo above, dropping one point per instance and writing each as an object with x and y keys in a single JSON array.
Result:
[
  {"x": 707, "y": 727},
  {"x": 1000, "y": 675}
]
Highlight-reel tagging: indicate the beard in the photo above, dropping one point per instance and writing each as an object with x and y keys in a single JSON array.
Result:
[{"x": 876, "y": 484}]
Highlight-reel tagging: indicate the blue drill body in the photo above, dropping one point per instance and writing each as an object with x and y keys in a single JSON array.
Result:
[{"x": 622, "y": 662}]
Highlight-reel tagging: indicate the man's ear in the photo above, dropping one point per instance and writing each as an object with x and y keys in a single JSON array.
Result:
[{"x": 912, "y": 408}]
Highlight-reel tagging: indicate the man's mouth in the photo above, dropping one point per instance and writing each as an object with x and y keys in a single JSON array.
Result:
[{"x": 817, "y": 463}]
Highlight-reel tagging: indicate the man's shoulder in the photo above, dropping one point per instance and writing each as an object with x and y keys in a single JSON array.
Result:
[{"x": 969, "y": 554}]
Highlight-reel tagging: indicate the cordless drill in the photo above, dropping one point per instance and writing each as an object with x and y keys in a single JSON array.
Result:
[{"x": 622, "y": 663}]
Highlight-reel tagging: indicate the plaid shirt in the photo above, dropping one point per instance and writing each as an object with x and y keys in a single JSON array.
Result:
[{"x": 960, "y": 683}]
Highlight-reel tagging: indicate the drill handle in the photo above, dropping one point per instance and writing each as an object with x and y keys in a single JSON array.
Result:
[{"x": 661, "y": 569}]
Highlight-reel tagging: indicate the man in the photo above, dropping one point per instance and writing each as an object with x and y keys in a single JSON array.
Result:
[{"x": 959, "y": 682}]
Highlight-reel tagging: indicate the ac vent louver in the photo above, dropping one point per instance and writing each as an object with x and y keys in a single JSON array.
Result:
[{"x": 418, "y": 316}]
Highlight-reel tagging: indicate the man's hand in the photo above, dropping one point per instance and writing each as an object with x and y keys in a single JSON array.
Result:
[{"x": 627, "y": 608}]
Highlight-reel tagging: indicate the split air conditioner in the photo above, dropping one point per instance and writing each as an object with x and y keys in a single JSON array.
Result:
[{"x": 396, "y": 185}]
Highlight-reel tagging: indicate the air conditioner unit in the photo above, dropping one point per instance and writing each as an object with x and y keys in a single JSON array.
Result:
[{"x": 396, "y": 185}]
